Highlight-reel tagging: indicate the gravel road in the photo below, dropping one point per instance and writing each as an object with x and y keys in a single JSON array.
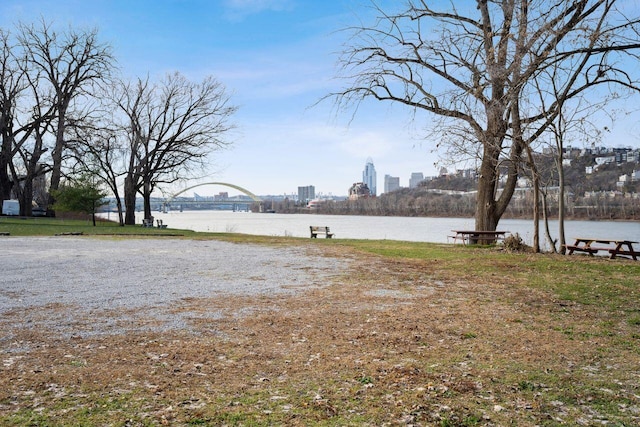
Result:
[{"x": 54, "y": 281}]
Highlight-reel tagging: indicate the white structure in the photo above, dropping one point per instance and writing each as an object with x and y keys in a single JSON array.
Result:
[
  {"x": 391, "y": 183},
  {"x": 369, "y": 177},
  {"x": 10, "y": 207},
  {"x": 416, "y": 178}
]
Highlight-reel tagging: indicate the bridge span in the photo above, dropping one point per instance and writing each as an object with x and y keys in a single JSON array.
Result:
[{"x": 236, "y": 203}]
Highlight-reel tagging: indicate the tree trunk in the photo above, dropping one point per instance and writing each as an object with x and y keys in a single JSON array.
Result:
[
  {"x": 119, "y": 207},
  {"x": 487, "y": 183},
  {"x": 535, "y": 178},
  {"x": 561, "y": 205},
  {"x": 5, "y": 180},
  {"x": 130, "y": 200},
  {"x": 536, "y": 213},
  {"x": 26, "y": 196},
  {"x": 56, "y": 157},
  {"x": 486, "y": 219},
  {"x": 545, "y": 215},
  {"x": 146, "y": 196}
]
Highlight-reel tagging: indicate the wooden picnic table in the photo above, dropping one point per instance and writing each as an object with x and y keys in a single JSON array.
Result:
[
  {"x": 468, "y": 236},
  {"x": 613, "y": 246}
]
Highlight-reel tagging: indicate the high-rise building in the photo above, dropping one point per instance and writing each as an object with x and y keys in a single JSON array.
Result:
[
  {"x": 305, "y": 194},
  {"x": 391, "y": 183},
  {"x": 369, "y": 176},
  {"x": 416, "y": 178}
]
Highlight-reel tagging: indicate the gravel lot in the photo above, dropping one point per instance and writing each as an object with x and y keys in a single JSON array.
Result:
[{"x": 73, "y": 284}]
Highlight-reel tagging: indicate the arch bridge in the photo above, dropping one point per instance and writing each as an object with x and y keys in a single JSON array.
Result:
[{"x": 224, "y": 184}]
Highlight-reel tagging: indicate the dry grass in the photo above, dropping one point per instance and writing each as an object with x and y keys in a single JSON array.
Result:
[{"x": 394, "y": 342}]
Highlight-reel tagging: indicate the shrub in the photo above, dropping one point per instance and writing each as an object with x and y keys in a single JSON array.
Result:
[{"x": 514, "y": 243}]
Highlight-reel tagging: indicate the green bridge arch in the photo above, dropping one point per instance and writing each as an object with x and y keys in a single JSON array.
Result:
[{"x": 225, "y": 184}]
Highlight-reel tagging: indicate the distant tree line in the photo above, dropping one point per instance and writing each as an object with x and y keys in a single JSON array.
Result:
[
  {"x": 66, "y": 112},
  {"x": 424, "y": 202},
  {"x": 589, "y": 196}
]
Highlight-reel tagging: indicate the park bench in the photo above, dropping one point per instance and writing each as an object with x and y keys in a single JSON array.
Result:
[
  {"x": 315, "y": 230},
  {"x": 160, "y": 224}
]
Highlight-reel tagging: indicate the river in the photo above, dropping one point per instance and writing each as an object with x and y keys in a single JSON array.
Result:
[{"x": 375, "y": 227}]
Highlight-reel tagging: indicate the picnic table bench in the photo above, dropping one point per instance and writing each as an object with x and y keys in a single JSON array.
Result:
[
  {"x": 614, "y": 247},
  {"x": 315, "y": 230},
  {"x": 477, "y": 236}
]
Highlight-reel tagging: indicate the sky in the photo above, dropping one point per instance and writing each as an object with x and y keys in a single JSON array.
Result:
[{"x": 277, "y": 59}]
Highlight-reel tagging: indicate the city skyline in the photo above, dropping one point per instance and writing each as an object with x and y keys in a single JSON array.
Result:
[{"x": 278, "y": 60}]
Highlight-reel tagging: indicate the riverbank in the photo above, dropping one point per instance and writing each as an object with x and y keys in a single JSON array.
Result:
[{"x": 368, "y": 333}]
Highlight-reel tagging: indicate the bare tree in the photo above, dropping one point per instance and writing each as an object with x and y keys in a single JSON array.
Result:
[
  {"x": 71, "y": 62},
  {"x": 25, "y": 119},
  {"x": 172, "y": 127},
  {"x": 31, "y": 152},
  {"x": 100, "y": 152},
  {"x": 572, "y": 122},
  {"x": 12, "y": 84},
  {"x": 474, "y": 66}
]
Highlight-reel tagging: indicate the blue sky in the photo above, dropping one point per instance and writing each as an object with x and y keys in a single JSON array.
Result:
[{"x": 277, "y": 58}]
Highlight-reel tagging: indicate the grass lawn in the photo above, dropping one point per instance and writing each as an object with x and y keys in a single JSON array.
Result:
[
  {"x": 21, "y": 226},
  {"x": 412, "y": 334}
]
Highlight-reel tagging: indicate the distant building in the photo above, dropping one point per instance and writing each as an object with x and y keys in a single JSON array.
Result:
[
  {"x": 416, "y": 179},
  {"x": 369, "y": 177},
  {"x": 391, "y": 183},
  {"x": 359, "y": 190},
  {"x": 305, "y": 194}
]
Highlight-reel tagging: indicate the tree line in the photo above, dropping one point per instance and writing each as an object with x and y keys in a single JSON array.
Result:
[
  {"x": 67, "y": 112},
  {"x": 422, "y": 201}
]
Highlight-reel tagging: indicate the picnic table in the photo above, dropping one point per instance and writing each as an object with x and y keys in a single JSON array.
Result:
[
  {"x": 474, "y": 236},
  {"x": 613, "y": 246}
]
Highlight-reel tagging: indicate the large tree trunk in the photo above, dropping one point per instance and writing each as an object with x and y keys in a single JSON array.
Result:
[
  {"x": 130, "y": 193},
  {"x": 486, "y": 218},
  {"x": 26, "y": 196},
  {"x": 56, "y": 157},
  {"x": 6, "y": 182},
  {"x": 146, "y": 196},
  {"x": 485, "y": 208}
]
